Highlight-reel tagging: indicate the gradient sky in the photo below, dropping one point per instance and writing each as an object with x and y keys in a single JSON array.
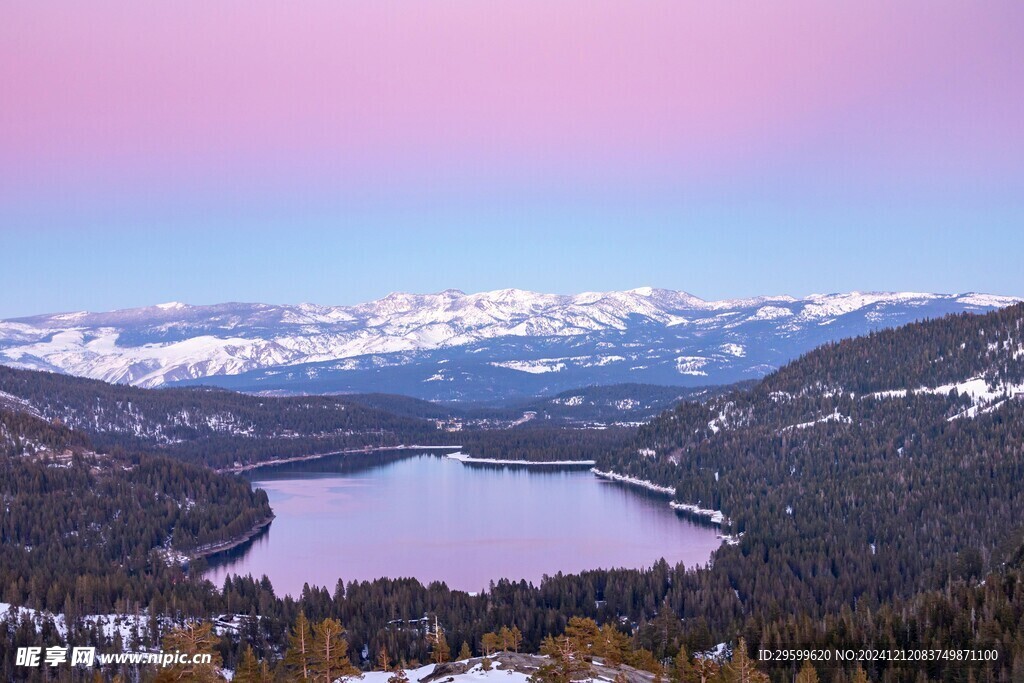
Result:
[{"x": 329, "y": 151}]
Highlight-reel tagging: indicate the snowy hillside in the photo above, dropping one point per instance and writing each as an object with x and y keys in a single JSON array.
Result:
[{"x": 451, "y": 345}]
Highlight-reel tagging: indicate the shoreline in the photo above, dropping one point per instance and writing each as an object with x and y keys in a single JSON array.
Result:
[
  {"x": 463, "y": 458},
  {"x": 234, "y": 542},
  {"x": 695, "y": 512},
  {"x": 238, "y": 469},
  {"x": 633, "y": 481}
]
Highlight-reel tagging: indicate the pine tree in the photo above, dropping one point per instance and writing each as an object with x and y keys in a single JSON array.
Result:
[
  {"x": 644, "y": 659},
  {"x": 383, "y": 661},
  {"x": 517, "y": 637},
  {"x": 566, "y": 662},
  {"x": 612, "y": 645},
  {"x": 300, "y": 646},
  {"x": 248, "y": 670},
  {"x": 439, "y": 650},
  {"x": 465, "y": 652},
  {"x": 807, "y": 674},
  {"x": 705, "y": 669},
  {"x": 329, "y": 657},
  {"x": 682, "y": 670},
  {"x": 742, "y": 669},
  {"x": 584, "y": 633},
  {"x": 505, "y": 638},
  {"x": 194, "y": 639},
  {"x": 860, "y": 675},
  {"x": 490, "y": 643}
]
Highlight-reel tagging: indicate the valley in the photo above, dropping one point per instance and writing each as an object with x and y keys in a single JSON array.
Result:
[{"x": 867, "y": 492}]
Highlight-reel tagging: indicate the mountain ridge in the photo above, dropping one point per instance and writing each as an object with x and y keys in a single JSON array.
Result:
[{"x": 455, "y": 346}]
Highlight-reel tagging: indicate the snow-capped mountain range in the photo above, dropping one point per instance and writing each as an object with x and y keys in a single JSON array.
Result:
[{"x": 451, "y": 345}]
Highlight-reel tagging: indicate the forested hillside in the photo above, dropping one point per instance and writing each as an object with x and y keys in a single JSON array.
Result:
[
  {"x": 222, "y": 429},
  {"x": 213, "y": 427},
  {"x": 585, "y": 406},
  {"x": 74, "y": 520},
  {"x": 873, "y": 489},
  {"x": 851, "y": 485},
  {"x": 925, "y": 354}
]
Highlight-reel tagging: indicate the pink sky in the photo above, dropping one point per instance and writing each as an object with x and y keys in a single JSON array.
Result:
[{"x": 128, "y": 96}]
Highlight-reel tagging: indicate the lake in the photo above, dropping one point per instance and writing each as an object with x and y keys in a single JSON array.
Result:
[{"x": 360, "y": 517}]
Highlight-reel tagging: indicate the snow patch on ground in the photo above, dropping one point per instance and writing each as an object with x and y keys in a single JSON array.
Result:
[
  {"x": 633, "y": 481},
  {"x": 109, "y": 624},
  {"x": 835, "y": 416},
  {"x": 987, "y": 300},
  {"x": 472, "y": 675},
  {"x": 463, "y": 458},
  {"x": 534, "y": 367},
  {"x": 984, "y": 399},
  {"x": 714, "y": 516},
  {"x": 736, "y": 350},
  {"x": 771, "y": 313},
  {"x": 691, "y": 365}
]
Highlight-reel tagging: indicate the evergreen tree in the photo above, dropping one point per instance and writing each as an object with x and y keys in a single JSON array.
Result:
[
  {"x": 612, "y": 646},
  {"x": 298, "y": 657},
  {"x": 329, "y": 656},
  {"x": 505, "y": 638},
  {"x": 465, "y": 652},
  {"x": 248, "y": 670},
  {"x": 566, "y": 662},
  {"x": 193, "y": 639},
  {"x": 742, "y": 669},
  {"x": 807, "y": 673},
  {"x": 584, "y": 634},
  {"x": 517, "y": 637},
  {"x": 705, "y": 670},
  {"x": 490, "y": 642},
  {"x": 682, "y": 670},
  {"x": 440, "y": 652}
]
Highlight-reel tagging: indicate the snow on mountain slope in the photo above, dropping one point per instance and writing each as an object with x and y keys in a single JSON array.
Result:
[{"x": 508, "y": 342}]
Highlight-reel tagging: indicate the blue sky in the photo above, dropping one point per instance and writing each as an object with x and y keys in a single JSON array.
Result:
[
  {"x": 335, "y": 152},
  {"x": 334, "y": 256}
]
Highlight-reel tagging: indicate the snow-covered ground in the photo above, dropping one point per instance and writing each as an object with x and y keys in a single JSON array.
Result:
[
  {"x": 506, "y": 667},
  {"x": 633, "y": 481},
  {"x": 109, "y": 624},
  {"x": 715, "y": 516},
  {"x": 984, "y": 399},
  {"x": 475, "y": 674},
  {"x": 835, "y": 416},
  {"x": 128, "y": 626}
]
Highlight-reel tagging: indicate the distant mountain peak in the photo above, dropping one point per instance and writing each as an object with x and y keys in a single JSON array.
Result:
[
  {"x": 171, "y": 306},
  {"x": 452, "y": 345}
]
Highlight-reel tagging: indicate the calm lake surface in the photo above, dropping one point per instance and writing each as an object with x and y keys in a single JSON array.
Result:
[{"x": 427, "y": 516}]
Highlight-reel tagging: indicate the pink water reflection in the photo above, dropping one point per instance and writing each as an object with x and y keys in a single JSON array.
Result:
[{"x": 437, "y": 519}]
